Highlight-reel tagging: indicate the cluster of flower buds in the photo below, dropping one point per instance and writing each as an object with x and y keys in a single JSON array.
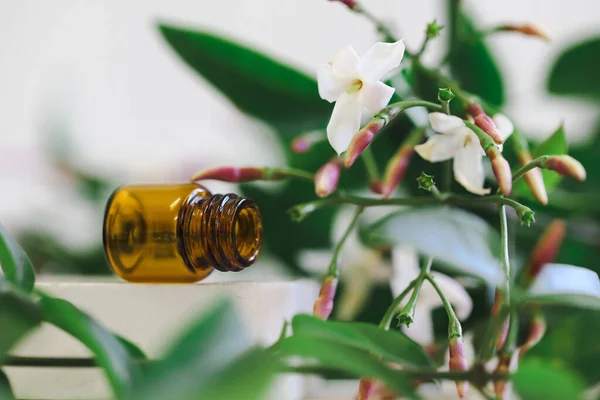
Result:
[
  {"x": 525, "y": 29},
  {"x": 545, "y": 250},
  {"x": 458, "y": 362},
  {"x": 327, "y": 177},
  {"x": 324, "y": 303},
  {"x": 536, "y": 333}
]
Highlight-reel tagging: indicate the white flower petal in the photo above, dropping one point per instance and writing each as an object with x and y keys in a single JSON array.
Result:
[
  {"x": 440, "y": 147},
  {"x": 344, "y": 122},
  {"x": 357, "y": 287},
  {"x": 468, "y": 168},
  {"x": 405, "y": 264},
  {"x": 566, "y": 279},
  {"x": 446, "y": 124},
  {"x": 504, "y": 125},
  {"x": 314, "y": 261},
  {"x": 331, "y": 84},
  {"x": 456, "y": 295},
  {"x": 421, "y": 329},
  {"x": 375, "y": 96},
  {"x": 345, "y": 63},
  {"x": 380, "y": 59}
]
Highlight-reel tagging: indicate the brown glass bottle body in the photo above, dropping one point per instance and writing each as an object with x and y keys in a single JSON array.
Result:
[{"x": 179, "y": 233}]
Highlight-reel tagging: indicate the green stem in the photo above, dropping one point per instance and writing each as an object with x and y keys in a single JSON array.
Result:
[
  {"x": 370, "y": 164},
  {"x": 407, "y": 315},
  {"x": 333, "y": 269},
  {"x": 454, "y": 326},
  {"x": 486, "y": 141},
  {"x": 513, "y": 334},
  {"x": 504, "y": 257},
  {"x": 389, "y": 314},
  {"x": 275, "y": 173},
  {"x": 539, "y": 162}
]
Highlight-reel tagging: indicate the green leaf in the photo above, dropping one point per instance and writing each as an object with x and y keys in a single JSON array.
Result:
[
  {"x": 255, "y": 83},
  {"x": 5, "y": 388},
  {"x": 566, "y": 285},
  {"x": 473, "y": 64},
  {"x": 542, "y": 380},
  {"x": 575, "y": 72},
  {"x": 338, "y": 356},
  {"x": 208, "y": 346},
  {"x": 556, "y": 144},
  {"x": 109, "y": 352},
  {"x": 462, "y": 240},
  {"x": 133, "y": 349},
  {"x": 18, "y": 316},
  {"x": 391, "y": 345},
  {"x": 15, "y": 264}
]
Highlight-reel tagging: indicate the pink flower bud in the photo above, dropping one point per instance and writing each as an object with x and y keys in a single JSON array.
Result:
[
  {"x": 526, "y": 29},
  {"x": 361, "y": 140},
  {"x": 474, "y": 110},
  {"x": 324, "y": 303},
  {"x": 303, "y": 143},
  {"x": 349, "y": 3},
  {"x": 498, "y": 300},
  {"x": 536, "y": 333},
  {"x": 546, "y": 249},
  {"x": 487, "y": 125},
  {"x": 327, "y": 177},
  {"x": 377, "y": 187},
  {"x": 396, "y": 168},
  {"x": 458, "y": 363},
  {"x": 534, "y": 179},
  {"x": 566, "y": 165},
  {"x": 501, "y": 170},
  {"x": 366, "y": 388},
  {"x": 230, "y": 174},
  {"x": 502, "y": 368}
]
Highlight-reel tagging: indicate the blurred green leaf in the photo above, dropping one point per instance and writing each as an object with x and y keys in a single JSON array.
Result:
[
  {"x": 338, "y": 356},
  {"x": 18, "y": 316},
  {"x": 566, "y": 285},
  {"x": 5, "y": 388},
  {"x": 455, "y": 237},
  {"x": 15, "y": 263},
  {"x": 556, "y": 144},
  {"x": 133, "y": 349},
  {"x": 473, "y": 64},
  {"x": 257, "y": 84},
  {"x": 575, "y": 72},
  {"x": 208, "y": 346},
  {"x": 541, "y": 380},
  {"x": 109, "y": 352},
  {"x": 391, "y": 345}
]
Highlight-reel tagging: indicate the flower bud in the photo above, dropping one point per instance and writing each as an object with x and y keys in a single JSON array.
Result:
[
  {"x": 474, "y": 110},
  {"x": 366, "y": 387},
  {"x": 324, "y": 303},
  {"x": 327, "y": 178},
  {"x": 536, "y": 333},
  {"x": 501, "y": 170},
  {"x": 445, "y": 95},
  {"x": 502, "y": 368},
  {"x": 230, "y": 174},
  {"x": 501, "y": 339},
  {"x": 458, "y": 363},
  {"x": 487, "y": 125},
  {"x": 534, "y": 179},
  {"x": 566, "y": 165},
  {"x": 546, "y": 249},
  {"x": 361, "y": 140},
  {"x": 526, "y": 29},
  {"x": 351, "y": 4},
  {"x": 396, "y": 168},
  {"x": 303, "y": 143},
  {"x": 377, "y": 187},
  {"x": 433, "y": 31},
  {"x": 425, "y": 181}
]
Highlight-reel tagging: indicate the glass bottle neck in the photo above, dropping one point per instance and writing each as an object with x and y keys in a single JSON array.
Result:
[{"x": 220, "y": 231}]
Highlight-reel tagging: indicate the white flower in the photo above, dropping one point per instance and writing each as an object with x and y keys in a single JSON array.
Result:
[
  {"x": 406, "y": 268},
  {"x": 354, "y": 84},
  {"x": 461, "y": 143}
]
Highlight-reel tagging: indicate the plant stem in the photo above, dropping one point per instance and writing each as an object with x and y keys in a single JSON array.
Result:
[
  {"x": 370, "y": 164},
  {"x": 406, "y": 316},
  {"x": 389, "y": 314},
  {"x": 454, "y": 326},
  {"x": 333, "y": 269},
  {"x": 504, "y": 256},
  {"x": 278, "y": 172},
  {"x": 539, "y": 162}
]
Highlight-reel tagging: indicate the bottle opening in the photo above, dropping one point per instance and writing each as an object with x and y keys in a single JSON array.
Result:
[{"x": 248, "y": 232}]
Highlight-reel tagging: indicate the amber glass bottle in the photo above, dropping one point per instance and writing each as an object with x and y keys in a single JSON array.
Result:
[{"x": 179, "y": 233}]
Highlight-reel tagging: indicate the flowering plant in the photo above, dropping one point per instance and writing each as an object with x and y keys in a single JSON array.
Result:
[{"x": 461, "y": 182}]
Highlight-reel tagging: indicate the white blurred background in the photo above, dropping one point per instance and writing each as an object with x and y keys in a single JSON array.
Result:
[{"x": 100, "y": 71}]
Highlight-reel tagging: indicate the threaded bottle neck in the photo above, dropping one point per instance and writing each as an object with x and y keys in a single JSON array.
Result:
[{"x": 220, "y": 231}]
